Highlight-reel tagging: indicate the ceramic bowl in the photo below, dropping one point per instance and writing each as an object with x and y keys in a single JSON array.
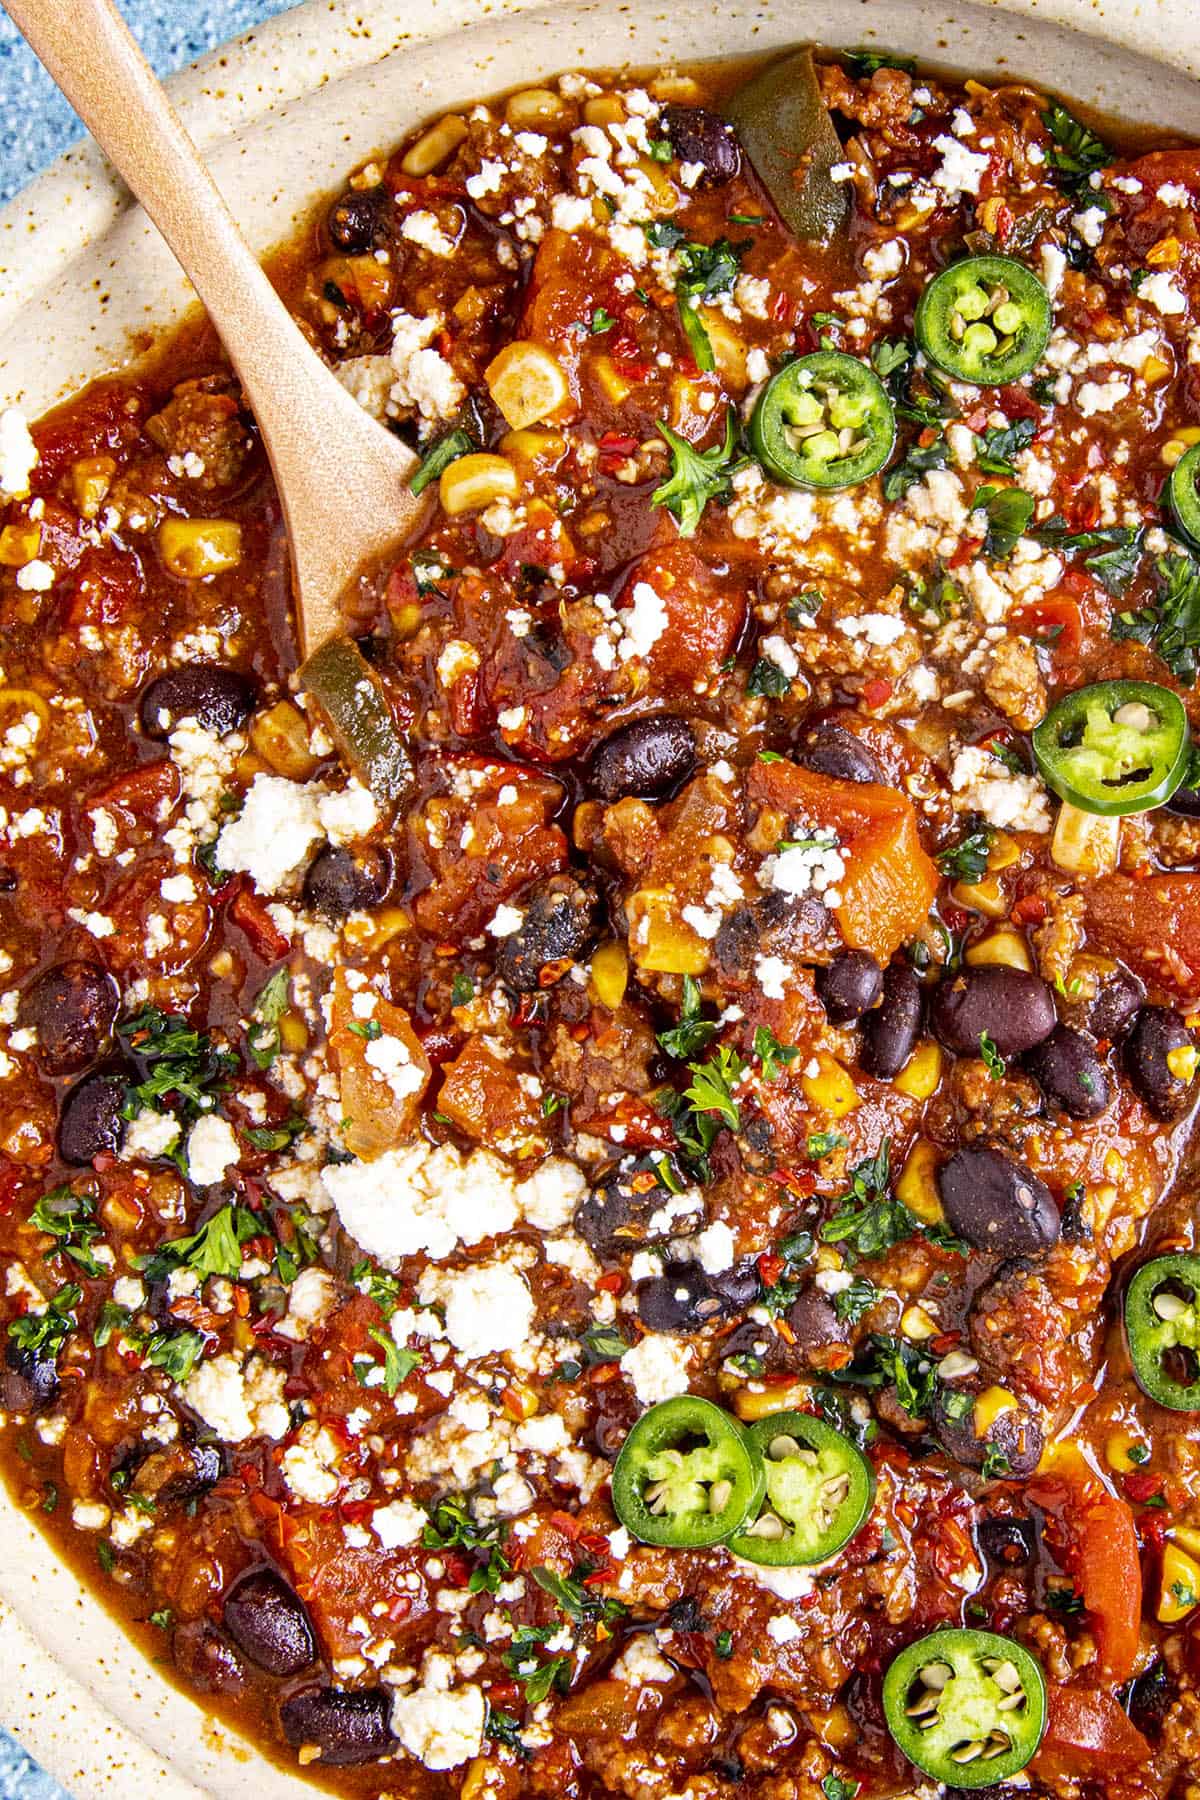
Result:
[{"x": 282, "y": 115}]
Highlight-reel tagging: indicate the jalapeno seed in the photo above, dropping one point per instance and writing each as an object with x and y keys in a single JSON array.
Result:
[{"x": 985, "y": 320}]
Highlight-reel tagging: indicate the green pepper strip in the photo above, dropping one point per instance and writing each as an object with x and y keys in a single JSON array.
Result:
[
  {"x": 985, "y": 320},
  {"x": 1183, "y": 491},
  {"x": 1162, "y": 1325},
  {"x": 449, "y": 447},
  {"x": 339, "y": 676},
  {"x": 686, "y": 1476},
  {"x": 1114, "y": 747},
  {"x": 787, "y": 133},
  {"x": 819, "y": 1492},
  {"x": 824, "y": 421},
  {"x": 967, "y": 1707}
]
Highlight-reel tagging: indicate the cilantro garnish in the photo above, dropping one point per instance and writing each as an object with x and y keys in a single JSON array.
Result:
[{"x": 697, "y": 476}]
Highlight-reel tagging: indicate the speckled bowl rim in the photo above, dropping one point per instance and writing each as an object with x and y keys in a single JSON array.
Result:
[{"x": 281, "y": 113}]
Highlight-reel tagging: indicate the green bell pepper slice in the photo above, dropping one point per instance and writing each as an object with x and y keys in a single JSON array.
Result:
[
  {"x": 787, "y": 133},
  {"x": 967, "y": 1707},
  {"x": 351, "y": 695},
  {"x": 686, "y": 1476},
  {"x": 1162, "y": 1327},
  {"x": 1114, "y": 747},
  {"x": 819, "y": 1490},
  {"x": 985, "y": 320},
  {"x": 823, "y": 421}
]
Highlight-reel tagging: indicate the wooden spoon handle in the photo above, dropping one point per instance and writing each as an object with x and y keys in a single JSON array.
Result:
[{"x": 333, "y": 464}]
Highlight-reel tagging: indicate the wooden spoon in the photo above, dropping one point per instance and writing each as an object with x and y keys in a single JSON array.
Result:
[{"x": 342, "y": 478}]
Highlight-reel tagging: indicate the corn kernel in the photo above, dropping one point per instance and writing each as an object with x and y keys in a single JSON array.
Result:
[
  {"x": 1172, "y": 452},
  {"x": 195, "y": 549},
  {"x": 1182, "y": 1061},
  {"x": 985, "y": 896},
  {"x": 1117, "y": 1447},
  {"x": 615, "y": 386},
  {"x": 373, "y": 931},
  {"x": 1188, "y": 1536},
  {"x": 1006, "y": 948},
  {"x": 1164, "y": 254},
  {"x": 831, "y": 1088},
  {"x": 661, "y": 942},
  {"x": 603, "y": 109},
  {"x": 536, "y": 449},
  {"x": 91, "y": 478},
  {"x": 20, "y": 543},
  {"x": 526, "y": 382},
  {"x": 1085, "y": 843},
  {"x": 1180, "y": 1589},
  {"x": 988, "y": 1407},
  {"x": 1154, "y": 370},
  {"x": 280, "y": 736},
  {"x": 917, "y": 1186},
  {"x": 435, "y": 146},
  {"x": 750, "y": 1403},
  {"x": 477, "y": 1779},
  {"x": 610, "y": 973},
  {"x": 472, "y": 482},
  {"x": 519, "y": 1401},
  {"x": 921, "y": 1073},
  {"x": 293, "y": 1033},
  {"x": 916, "y": 1324},
  {"x": 532, "y": 109},
  {"x": 681, "y": 89},
  {"x": 1003, "y": 852}
]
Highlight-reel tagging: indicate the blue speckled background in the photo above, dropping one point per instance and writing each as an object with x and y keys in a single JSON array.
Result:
[{"x": 35, "y": 124}]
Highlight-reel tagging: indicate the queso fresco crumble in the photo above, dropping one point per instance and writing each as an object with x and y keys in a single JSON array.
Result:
[{"x": 596, "y": 1186}]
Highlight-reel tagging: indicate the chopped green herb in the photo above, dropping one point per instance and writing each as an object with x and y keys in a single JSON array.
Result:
[
  {"x": 697, "y": 476},
  {"x": 1076, "y": 152},
  {"x": 994, "y": 1062},
  {"x": 439, "y": 456},
  {"x": 601, "y": 321},
  {"x": 692, "y": 1034},
  {"x": 773, "y": 1055},
  {"x": 712, "y": 1085},
  {"x": 1009, "y": 511},
  {"x": 271, "y": 1002},
  {"x": 967, "y": 860}
]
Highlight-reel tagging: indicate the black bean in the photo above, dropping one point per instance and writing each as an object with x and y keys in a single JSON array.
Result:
[
  {"x": 679, "y": 1300},
  {"x": 738, "y": 1286},
  {"x": 179, "y": 1472},
  {"x": 73, "y": 1008},
  {"x": 698, "y": 136},
  {"x": 204, "y": 1659},
  {"x": 832, "y": 750},
  {"x": 1156, "y": 1033},
  {"x": 1069, "y": 1072},
  {"x": 219, "y": 699},
  {"x": 615, "y": 1215},
  {"x": 346, "y": 1725},
  {"x": 357, "y": 221},
  {"x": 29, "y": 1382},
  {"x": 996, "y": 1203},
  {"x": 644, "y": 760},
  {"x": 849, "y": 986},
  {"x": 268, "y": 1621},
  {"x": 814, "y": 1323},
  {"x": 1012, "y": 1446},
  {"x": 1010, "y": 1006},
  {"x": 89, "y": 1120},
  {"x": 339, "y": 882},
  {"x": 890, "y": 1032},
  {"x": 1186, "y": 802},
  {"x": 558, "y": 923},
  {"x": 1151, "y": 1698},
  {"x": 1115, "y": 1005},
  {"x": 1008, "y": 1542}
]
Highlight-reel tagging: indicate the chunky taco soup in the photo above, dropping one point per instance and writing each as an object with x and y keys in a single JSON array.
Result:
[{"x": 595, "y": 1191}]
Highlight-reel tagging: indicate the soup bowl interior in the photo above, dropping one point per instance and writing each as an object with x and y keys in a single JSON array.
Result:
[{"x": 85, "y": 283}]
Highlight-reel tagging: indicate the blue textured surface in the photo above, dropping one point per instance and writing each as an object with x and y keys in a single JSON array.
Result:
[{"x": 35, "y": 125}]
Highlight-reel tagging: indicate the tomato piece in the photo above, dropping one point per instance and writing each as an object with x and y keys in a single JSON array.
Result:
[
  {"x": 379, "y": 1095},
  {"x": 1093, "y": 1533},
  {"x": 890, "y": 882},
  {"x": 703, "y": 617},
  {"x": 248, "y": 911},
  {"x": 1058, "y": 617},
  {"x": 1087, "y": 1728},
  {"x": 1154, "y": 925}
]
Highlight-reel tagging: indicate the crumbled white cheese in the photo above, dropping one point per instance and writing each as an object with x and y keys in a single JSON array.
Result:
[
  {"x": 149, "y": 1134},
  {"x": 422, "y": 228},
  {"x": 239, "y": 1403},
  {"x": 442, "y": 1728},
  {"x": 211, "y": 1149},
  {"x": 657, "y": 1367},
  {"x": 1161, "y": 291},
  {"x": 772, "y": 974},
  {"x": 398, "y": 1524},
  {"x": 422, "y": 1198},
  {"x": 960, "y": 170},
  {"x": 1008, "y": 800},
  {"x": 18, "y": 453},
  {"x": 488, "y": 1306}
]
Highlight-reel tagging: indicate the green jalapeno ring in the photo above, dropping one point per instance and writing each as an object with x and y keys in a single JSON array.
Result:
[
  {"x": 985, "y": 320},
  {"x": 967, "y": 1707},
  {"x": 1114, "y": 747},
  {"x": 1183, "y": 493},
  {"x": 1160, "y": 1321},
  {"x": 823, "y": 421},
  {"x": 819, "y": 1491},
  {"x": 686, "y": 1476}
]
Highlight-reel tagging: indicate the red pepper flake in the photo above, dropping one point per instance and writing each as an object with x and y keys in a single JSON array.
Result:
[
  {"x": 612, "y": 1283},
  {"x": 770, "y": 1268},
  {"x": 458, "y": 1568},
  {"x": 876, "y": 692},
  {"x": 570, "y": 1528},
  {"x": 1139, "y": 1488},
  {"x": 1029, "y": 910}
]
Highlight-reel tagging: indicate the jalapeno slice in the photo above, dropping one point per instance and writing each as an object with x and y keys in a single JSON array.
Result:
[
  {"x": 1183, "y": 492},
  {"x": 985, "y": 320},
  {"x": 819, "y": 1491},
  {"x": 1114, "y": 747},
  {"x": 686, "y": 1476},
  {"x": 347, "y": 687},
  {"x": 823, "y": 421},
  {"x": 1162, "y": 1325},
  {"x": 967, "y": 1707}
]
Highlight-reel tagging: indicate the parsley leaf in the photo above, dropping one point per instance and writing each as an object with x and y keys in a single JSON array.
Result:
[
  {"x": 692, "y": 1034},
  {"x": 999, "y": 445},
  {"x": 767, "y": 680},
  {"x": 398, "y": 1364},
  {"x": 262, "y": 1039},
  {"x": 537, "y": 1678},
  {"x": 967, "y": 860},
  {"x": 41, "y": 1335},
  {"x": 577, "y": 1601},
  {"x": 1170, "y": 623},
  {"x": 697, "y": 476},
  {"x": 773, "y": 1055},
  {"x": 852, "y": 1302},
  {"x": 868, "y": 1219},
  {"x": 918, "y": 460},
  {"x": 1009, "y": 511},
  {"x": 1112, "y": 553},
  {"x": 992, "y": 1058},
  {"x": 712, "y": 1085},
  {"x": 177, "y": 1352},
  {"x": 1076, "y": 152},
  {"x": 276, "y": 1137},
  {"x": 178, "y": 1061},
  {"x": 448, "y": 448},
  {"x": 70, "y": 1218},
  {"x": 216, "y": 1249}
]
